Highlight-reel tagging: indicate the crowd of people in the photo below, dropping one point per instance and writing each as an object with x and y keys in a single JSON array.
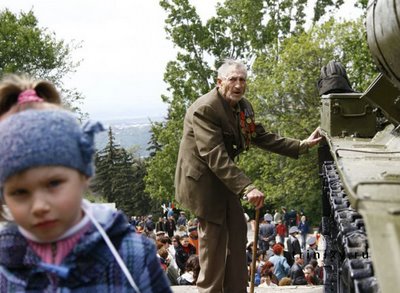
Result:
[
  {"x": 286, "y": 249},
  {"x": 177, "y": 245}
]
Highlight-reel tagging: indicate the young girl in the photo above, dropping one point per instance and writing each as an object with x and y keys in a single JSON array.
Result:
[
  {"x": 192, "y": 269},
  {"x": 58, "y": 241},
  {"x": 268, "y": 279}
]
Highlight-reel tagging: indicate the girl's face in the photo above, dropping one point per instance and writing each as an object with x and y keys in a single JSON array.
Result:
[
  {"x": 185, "y": 241},
  {"x": 46, "y": 201}
]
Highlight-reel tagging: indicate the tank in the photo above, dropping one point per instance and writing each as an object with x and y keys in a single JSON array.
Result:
[{"x": 360, "y": 169}]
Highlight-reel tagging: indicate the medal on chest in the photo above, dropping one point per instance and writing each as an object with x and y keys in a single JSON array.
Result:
[{"x": 247, "y": 126}]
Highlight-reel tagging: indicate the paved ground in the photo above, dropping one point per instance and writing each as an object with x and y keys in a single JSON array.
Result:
[{"x": 293, "y": 289}]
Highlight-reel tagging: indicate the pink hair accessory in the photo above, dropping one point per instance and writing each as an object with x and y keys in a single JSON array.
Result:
[{"x": 28, "y": 96}]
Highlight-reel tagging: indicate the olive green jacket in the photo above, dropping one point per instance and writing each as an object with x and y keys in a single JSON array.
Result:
[{"x": 206, "y": 174}]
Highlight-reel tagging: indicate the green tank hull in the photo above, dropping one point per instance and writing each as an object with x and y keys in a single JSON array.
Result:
[{"x": 360, "y": 169}]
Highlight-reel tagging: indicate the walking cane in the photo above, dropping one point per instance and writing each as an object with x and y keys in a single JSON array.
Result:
[{"x": 253, "y": 260}]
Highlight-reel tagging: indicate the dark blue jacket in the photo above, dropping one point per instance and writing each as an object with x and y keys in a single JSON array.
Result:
[{"x": 89, "y": 267}]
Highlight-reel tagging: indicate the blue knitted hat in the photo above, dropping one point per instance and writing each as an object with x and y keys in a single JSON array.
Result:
[{"x": 35, "y": 138}]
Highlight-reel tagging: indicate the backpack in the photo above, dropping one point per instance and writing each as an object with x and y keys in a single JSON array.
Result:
[{"x": 333, "y": 79}]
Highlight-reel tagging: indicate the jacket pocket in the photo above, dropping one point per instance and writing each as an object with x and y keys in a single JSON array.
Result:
[
  {"x": 231, "y": 145},
  {"x": 193, "y": 173}
]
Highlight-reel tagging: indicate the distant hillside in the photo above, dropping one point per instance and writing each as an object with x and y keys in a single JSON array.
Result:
[{"x": 128, "y": 133}]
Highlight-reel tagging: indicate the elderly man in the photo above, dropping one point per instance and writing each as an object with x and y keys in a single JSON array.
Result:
[
  {"x": 293, "y": 244},
  {"x": 266, "y": 233},
  {"x": 218, "y": 126}
]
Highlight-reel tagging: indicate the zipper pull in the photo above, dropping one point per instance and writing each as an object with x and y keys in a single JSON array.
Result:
[{"x": 60, "y": 271}]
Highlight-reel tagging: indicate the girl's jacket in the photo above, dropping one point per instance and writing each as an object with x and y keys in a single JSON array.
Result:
[{"x": 89, "y": 267}]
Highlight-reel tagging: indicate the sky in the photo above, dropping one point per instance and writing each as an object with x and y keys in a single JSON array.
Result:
[{"x": 124, "y": 51}]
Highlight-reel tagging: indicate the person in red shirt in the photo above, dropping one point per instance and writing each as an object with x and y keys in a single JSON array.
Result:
[
  {"x": 183, "y": 251},
  {"x": 281, "y": 231}
]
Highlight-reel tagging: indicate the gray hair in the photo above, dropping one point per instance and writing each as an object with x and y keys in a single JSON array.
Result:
[{"x": 228, "y": 64}]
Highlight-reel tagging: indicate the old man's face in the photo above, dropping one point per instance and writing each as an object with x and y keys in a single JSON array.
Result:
[{"x": 232, "y": 86}]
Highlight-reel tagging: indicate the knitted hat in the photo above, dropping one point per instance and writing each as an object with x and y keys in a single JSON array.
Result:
[{"x": 35, "y": 138}]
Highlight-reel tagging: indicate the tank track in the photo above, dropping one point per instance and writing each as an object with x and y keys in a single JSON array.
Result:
[{"x": 347, "y": 260}]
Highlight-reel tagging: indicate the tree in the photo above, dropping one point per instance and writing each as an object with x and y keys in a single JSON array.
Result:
[
  {"x": 153, "y": 145},
  {"x": 105, "y": 160},
  {"x": 161, "y": 167},
  {"x": 119, "y": 178},
  {"x": 27, "y": 48},
  {"x": 142, "y": 203}
]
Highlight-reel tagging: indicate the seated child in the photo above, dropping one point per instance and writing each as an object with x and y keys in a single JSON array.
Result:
[
  {"x": 57, "y": 241},
  {"x": 191, "y": 273}
]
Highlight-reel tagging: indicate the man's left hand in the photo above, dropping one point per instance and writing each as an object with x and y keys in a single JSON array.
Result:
[
  {"x": 256, "y": 197},
  {"x": 314, "y": 138}
]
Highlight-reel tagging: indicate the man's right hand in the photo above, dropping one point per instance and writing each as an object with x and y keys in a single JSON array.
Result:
[{"x": 256, "y": 198}]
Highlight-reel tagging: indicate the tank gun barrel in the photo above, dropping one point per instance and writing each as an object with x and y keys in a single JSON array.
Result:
[{"x": 383, "y": 36}]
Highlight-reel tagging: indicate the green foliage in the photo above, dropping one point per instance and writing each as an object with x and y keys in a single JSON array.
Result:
[
  {"x": 161, "y": 167},
  {"x": 323, "y": 6},
  {"x": 242, "y": 29},
  {"x": 119, "y": 178},
  {"x": 27, "y": 48},
  {"x": 94, "y": 198},
  {"x": 154, "y": 145},
  {"x": 362, "y": 4},
  {"x": 106, "y": 162}
]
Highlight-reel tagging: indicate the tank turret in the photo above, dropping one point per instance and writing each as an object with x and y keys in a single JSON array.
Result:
[{"x": 383, "y": 36}]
